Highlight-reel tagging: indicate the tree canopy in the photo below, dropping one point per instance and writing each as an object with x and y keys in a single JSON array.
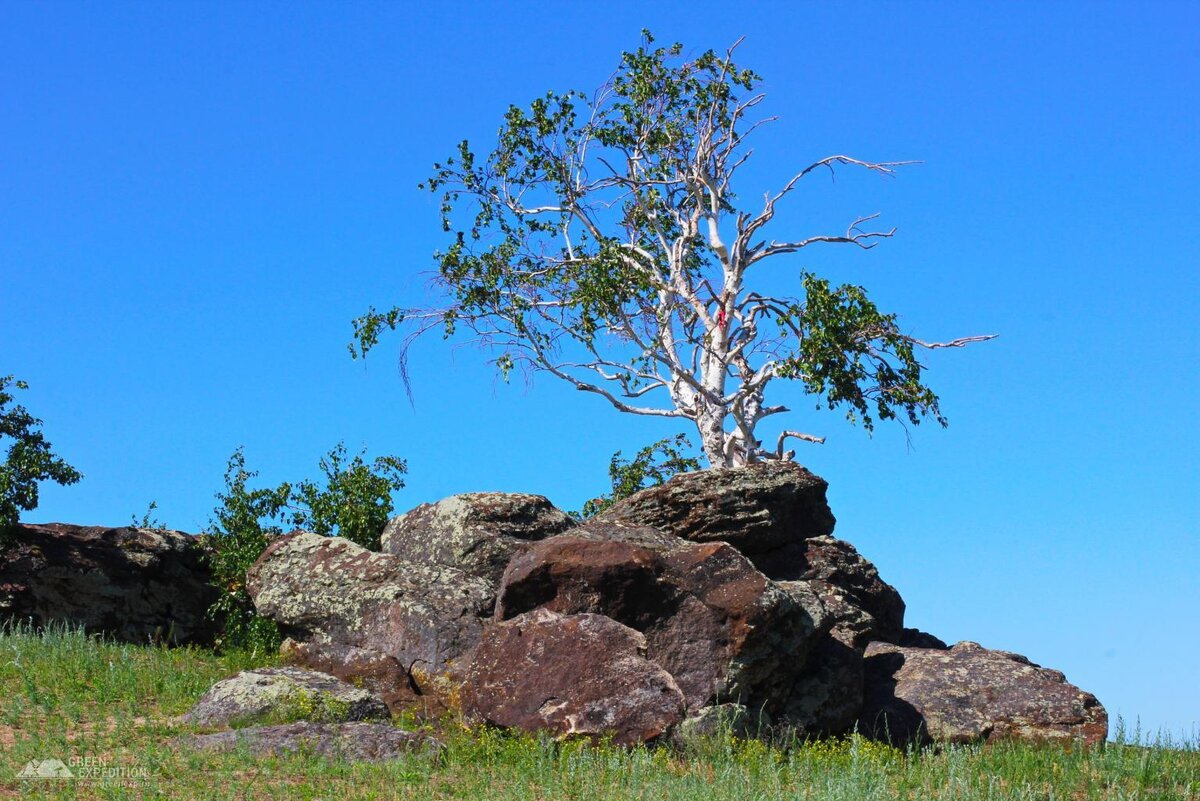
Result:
[
  {"x": 602, "y": 241},
  {"x": 29, "y": 459}
]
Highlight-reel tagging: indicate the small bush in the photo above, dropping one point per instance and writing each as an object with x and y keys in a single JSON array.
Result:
[
  {"x": 652, "y": 465},
  {"x": 354, "y": 501}
]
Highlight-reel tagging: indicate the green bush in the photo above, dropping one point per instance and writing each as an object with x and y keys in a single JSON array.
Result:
[
  {"x": 28, "y": 461},
  {"x": 353, "y": 500},
  {"x": 652, "y": 465}
]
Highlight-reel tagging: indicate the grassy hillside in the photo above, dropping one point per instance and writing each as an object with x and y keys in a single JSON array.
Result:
[{"x": 109, "y": 707}]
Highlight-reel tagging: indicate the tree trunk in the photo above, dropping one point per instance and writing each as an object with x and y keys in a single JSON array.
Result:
[{"x": 711, "y": 425}]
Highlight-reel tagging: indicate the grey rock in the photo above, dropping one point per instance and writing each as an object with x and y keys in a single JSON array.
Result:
[
  {"x": 915, "y": 638},
  {"x": 284, "y": 695},
  {"x": 970, "y": 694},
  {"x": 827, "y": 696},
  {"x": 721, "y": 720},
  {"x": 346, "y": 741},
  {"x": 864, "y": 607},
  {"x": 328, "y": 590},
  {"x": 475, "y": 532}
]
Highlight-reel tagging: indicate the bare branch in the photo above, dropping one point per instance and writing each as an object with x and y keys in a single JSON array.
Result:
[
  {"x": 954, "y": 343},
  {"x": 783, "y": 437}
]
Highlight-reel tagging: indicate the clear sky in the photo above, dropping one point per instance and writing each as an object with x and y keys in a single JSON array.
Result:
[{"x": 196, "y": 198}]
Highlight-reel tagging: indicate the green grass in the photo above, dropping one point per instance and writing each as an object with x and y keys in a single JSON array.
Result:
[{"x": 67, "y": 696}]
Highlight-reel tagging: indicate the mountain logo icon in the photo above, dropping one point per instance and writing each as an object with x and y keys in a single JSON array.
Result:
[{"x": 45, "y": 769}]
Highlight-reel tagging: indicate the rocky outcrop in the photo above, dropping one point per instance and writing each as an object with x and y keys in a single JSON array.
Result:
[
  {"x": 827, "y": 695},
  {"x": 718, "y": 626},
  {"x": 572, "y": 675},
  {"x": 970, "y": 694},
  {"x": 915, "y": 638},
  {"x": 757, "y": 509},
  {"x": 329, "y": 591},
  {"x": 132, "y": 584},
  {"x": 347, "y": 741},
  {"x": 864, "y": 607},
  {"x": 284, "y": 695},
  {"x": 476, "y": 532},
  {"x": 718, "y": 602}
]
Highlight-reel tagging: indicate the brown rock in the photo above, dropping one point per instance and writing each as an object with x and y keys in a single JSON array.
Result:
[
  {"x": 756, "y": 509},
  {"x": 827, "y": 696},
  {"x": 915, "y": 638},
  {"x": 970, "y": 694},
  {"x": 571, "y": 675},
  {"x": 475, "y": 532},
  {"x": 718, "y": 626},
  {"x": 864, "y": 607},
  {"x": 329, "y": 591},
  {"x": 132, "y": 584}
]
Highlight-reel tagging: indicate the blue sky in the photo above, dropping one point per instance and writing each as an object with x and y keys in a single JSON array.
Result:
[{"x": 195, "y": 200}]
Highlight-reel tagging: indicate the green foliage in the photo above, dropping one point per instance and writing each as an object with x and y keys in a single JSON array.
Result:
[
  {"x": 356, "y": 500},
  {"x": 148, "y": 519},
  {"x": 29, "y": 459},
  {"x": 237, "y": 534},
  {"x": 602, "y": 240},
  {"x": 850, "y": 353},
  {"x": 652, "y": 465},
  {"x": 353, "y": 500}
]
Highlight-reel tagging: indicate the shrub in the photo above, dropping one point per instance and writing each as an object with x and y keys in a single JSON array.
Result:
[
  {"x": 354, "y": 500},
  {"x": 29, "y": 459},
  {"x": 652, "y": 465}
]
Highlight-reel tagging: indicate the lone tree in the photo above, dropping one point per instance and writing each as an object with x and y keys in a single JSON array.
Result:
[{"x": 601, "y": 242}]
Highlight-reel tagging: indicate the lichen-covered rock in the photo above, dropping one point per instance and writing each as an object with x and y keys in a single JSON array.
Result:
[
  {"x": 284, "y": 695},
  {"x": 969, "y": 694},
  {"x": 348, "y": 741},
  {"x": 131, "y": 584},
  {"x": 756, "y": 509},
  {"x": 864, "y": 607},
  {"x": 571, "y": 675},
  {"x": 328, "y": 590},
  {"x": 475, "y": 532},
  {"x": 625, "y": 531},
  {"x": 827, "y": 696},
  {"x": 718, "y": 626}
]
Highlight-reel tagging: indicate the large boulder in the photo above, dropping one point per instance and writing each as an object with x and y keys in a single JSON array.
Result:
[
  {"x": 284, "y": 695},
  {"x": 826, "y": 697},
  {"x": 723, "y": 630},
  {"x": 970, "y": 694},
  {"x": 132, "y": 584},
  {"x": 475, "y": 532},
  {"x": 348, "y": 741},
  {"x": 757, "y": 509},
  {"x": 864, "y": 607},
  {"x": 572, "y": 675},
  {"x": 328, "y": 590}
]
